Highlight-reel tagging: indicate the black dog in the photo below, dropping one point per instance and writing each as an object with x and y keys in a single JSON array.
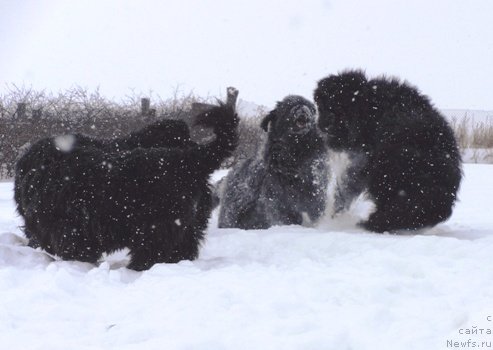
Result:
[
  {"x": 163, "y": 133},
  {"x": 81, "y": 197},
  {"x": 404, "y": 153},
  {"x": 287, "y": 182}
]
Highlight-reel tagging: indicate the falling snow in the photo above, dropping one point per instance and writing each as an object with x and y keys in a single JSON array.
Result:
[
  {"x": 331, "y": 286},
  {"x": 65, "y": 143}
]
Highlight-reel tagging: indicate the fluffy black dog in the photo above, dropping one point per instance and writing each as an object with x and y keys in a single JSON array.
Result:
[
  {"x": 287, "y": 182},
  {"x": 163, "y": 133},
  {"x": 404, "y": 153},
  {"x": 80, "y": 197}
]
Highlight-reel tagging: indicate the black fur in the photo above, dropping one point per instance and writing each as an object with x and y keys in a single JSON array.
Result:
[
  {"x": 404, "y": 152},
  {"x": 163, "y": 133},
  {"x": 80, "y": 197},
  {"x": 288, "y": 178}
]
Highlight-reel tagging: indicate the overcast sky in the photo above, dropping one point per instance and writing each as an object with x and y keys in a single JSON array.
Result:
[{"x": 267, "y": 49}]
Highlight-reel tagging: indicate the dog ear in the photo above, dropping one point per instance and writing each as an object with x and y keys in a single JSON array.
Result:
[{"x": 268, "y": 119}]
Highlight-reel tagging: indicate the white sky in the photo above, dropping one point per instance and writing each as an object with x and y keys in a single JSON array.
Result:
[{"x": 266, "y": 49}]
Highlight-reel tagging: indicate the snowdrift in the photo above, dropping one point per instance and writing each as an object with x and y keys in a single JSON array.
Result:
[{"x": 329, "y": 287}]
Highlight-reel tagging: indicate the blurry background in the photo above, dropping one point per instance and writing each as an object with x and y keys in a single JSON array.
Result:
[
  {"x": 85, "y": 66},
  {"x": 266, "y": 49}
]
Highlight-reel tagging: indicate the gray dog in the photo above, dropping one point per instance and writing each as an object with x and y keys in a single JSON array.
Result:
[{"x": 286, "y": 183}]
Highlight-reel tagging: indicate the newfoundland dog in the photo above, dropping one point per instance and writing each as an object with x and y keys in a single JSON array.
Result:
[
  {"x": 404, "y": 153},
  {"x": 149, "y": 192},
  {"x": 286, "y": 183}
]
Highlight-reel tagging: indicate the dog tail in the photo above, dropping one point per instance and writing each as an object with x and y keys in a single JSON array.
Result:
[{"x": 224, "y": 122}]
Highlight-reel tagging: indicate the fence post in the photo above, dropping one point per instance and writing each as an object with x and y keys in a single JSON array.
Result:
[
  {"x": 145, "y": 105},
  {"x": 231, "y": 97},
  {"x": 37, "y": 113},
  {"x": 21, "y": 110}
]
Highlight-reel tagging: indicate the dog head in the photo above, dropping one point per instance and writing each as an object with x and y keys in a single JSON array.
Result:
[
  {"x": 343, "y": 107},
  {"x": 221, "y": 116},
  {"x": 293, "y": 116}
]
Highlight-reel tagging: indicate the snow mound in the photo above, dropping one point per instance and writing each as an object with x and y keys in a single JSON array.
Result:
[{"x": 333, "y": 286}]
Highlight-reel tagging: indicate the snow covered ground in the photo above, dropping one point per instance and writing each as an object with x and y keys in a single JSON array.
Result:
[
  {"x": 330, "y": 287},
  {"x": 477, "y": 155}
]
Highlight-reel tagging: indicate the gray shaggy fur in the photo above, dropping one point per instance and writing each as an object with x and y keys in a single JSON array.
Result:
[{"x": 286, "y": 182}]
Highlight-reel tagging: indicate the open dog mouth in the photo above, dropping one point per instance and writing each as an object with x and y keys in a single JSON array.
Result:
[
  {"x": 303, "y": 119},
  {"x": 301, "y": 123},
  {"x": 301, "y": 126}
]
